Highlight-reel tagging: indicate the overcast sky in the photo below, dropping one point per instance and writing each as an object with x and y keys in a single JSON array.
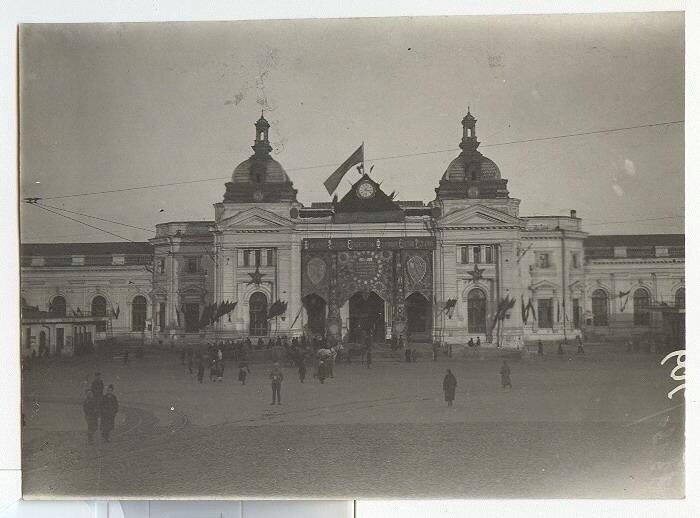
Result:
[{"x": 108, "y": 107}]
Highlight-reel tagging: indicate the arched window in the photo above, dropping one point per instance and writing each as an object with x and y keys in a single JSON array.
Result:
[
  {"x": 680, "y": 298},
  {"x": 476, "y": 311},
  {"x": 258, "y": 314},
  {"x": 99, "y": 307},
  {"x": 600, "y": 308},
  {"x": 58, "y": 306},
  {"x": 138, "y": 313},
  {"x": 642, "y": 317}
]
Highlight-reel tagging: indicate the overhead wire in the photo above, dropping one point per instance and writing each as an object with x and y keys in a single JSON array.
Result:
[{"x": 388, "y": 157}]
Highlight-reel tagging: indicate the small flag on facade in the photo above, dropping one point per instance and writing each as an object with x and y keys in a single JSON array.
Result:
[{"x": 334, "y": 179}]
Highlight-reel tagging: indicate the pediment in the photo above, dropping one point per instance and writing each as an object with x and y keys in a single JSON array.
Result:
[
  {"x": 254, "y": 219},
  {"x": 544, "y": 285},
  {"x": 479, "y": 215}
]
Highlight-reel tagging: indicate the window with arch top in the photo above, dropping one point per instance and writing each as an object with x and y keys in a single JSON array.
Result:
[
  {"x": 599, "y": 301},
  {"x": 138, "y": 313},
  {"x": 476, "y": 311},
  {"x": 641, "y": 303}
]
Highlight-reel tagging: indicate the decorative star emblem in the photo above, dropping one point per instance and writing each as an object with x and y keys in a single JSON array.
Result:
[
  {"x": 256, "y": 277},
  {"x": 476, "y": 274}
]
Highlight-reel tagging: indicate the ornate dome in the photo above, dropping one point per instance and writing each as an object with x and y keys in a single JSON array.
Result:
[
  {"x": 268, "y": 169},
  {"x": 459, "y": 170}
]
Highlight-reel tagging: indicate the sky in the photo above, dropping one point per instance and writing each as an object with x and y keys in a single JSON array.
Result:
[{"x": 117, "y": 106}]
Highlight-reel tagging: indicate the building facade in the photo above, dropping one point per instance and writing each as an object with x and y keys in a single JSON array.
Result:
[{"x": 464, "y": 265}]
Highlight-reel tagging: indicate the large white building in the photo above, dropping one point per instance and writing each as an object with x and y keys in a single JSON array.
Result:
[{"x": 370, "y": 263}]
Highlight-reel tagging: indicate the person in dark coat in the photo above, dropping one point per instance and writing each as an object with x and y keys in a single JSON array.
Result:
[
  {"x": 242, "y": 372},
  {"x": 276, "y": 377},
  {"x": 580, "y": 345},
  {"x": 321, "y": 371},
  {"x": 97, "y": 387},
  {"x": 190, "y": 361},
  {"x": 368, "y": 358},
  {"x": 478, "y": 341},
  {"x": 449, "y": 384},
  {"x": 407, "y": 355},
  {"x": 540, "y": 348},
  {"x": 470, "y": 343},
  {"x": 302, "y": 369},
  {"x": 108, "y": 411},
  {"x": 200, "y": 369},
  {"x": 91, "y": 408},
  {"x": 505, "y": 375},
  {"x": 560, "y": 349}
]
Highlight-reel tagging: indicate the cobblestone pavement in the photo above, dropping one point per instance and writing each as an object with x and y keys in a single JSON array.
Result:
[{"x": 588, "y": 427}]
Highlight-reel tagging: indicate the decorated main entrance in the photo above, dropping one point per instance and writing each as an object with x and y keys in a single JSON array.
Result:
[{"x": 373, "y": 277}]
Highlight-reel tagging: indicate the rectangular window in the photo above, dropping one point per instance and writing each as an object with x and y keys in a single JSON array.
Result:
[
  {"x": 489, "y": 255},
  {"x": 464, "y": 254},
  {"x": 477, "y": 254},
  {"x": 270, "y": 257},
  {"x": 98, "y": 260},
  {"x": 544, "y": 313},
  {"x": 246, "y": 257},
  {"x": 161, "y": 265},
  {"x": 133, "y": 260},
  {"x": 257, "y": 257},
  {"x": 58, "y": 261},
  {"x": 100, "y": 327},
  {"x": 574, "y": 260},
  {"x": 543, "y": 260},
  {"x": 192, "y": 264}
]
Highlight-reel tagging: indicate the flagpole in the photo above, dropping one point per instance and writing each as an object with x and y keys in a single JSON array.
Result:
[{"x": 363, "y": 157}]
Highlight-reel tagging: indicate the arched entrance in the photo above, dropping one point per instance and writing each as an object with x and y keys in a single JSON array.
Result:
[
  {"x": 42, "y": 343},
  {"x": 316, "y": 313},
  {"x": 476, "y": 311},
  {"x": 366, "y": 316},
  {"x": 418, "y": 317},
  {"x": 258, "y": 314}
]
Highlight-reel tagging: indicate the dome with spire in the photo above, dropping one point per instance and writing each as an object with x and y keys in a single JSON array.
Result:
[
  {"x": 260, "y": 177},
  {"x": 471, "y": 174}
]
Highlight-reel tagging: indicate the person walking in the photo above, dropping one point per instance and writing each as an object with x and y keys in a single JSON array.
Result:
[
  {"x": 449, "y": 384},
  {"x": 276, "y": 376},
  {"x": 200, "y": 369},
  {"x": 560, "y": 349},
  {"x": 321, "y": 371},
  {"x": 91, "y": 408},
  {"x": 579, "y": 350},
  {"x": 242, "y": 372},
  {"x": 97, "y": 387},
  {"x": 505, "y": 375},
  {"x": 478, "y": 342},
  {"x": 302, "y": 369},
  {"x": 108, "y": 412},
  {"x": 540, "y": 348}
]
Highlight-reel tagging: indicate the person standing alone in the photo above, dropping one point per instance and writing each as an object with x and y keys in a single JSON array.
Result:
[
  {"x": 276, "y": 376},
  {"x": 108, "y": 411},
  {"x": 505, "y": 375},
  {"x": 449, "y": 384}
]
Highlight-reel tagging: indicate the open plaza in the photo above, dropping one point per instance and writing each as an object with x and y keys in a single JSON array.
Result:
[{"x": 590, "y": 425}]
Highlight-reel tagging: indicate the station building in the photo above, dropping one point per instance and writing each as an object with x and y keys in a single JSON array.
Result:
[{"x": 369, "y": 263}]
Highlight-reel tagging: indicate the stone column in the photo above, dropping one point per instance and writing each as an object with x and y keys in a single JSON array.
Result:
[{"x": 294, "y": 290}]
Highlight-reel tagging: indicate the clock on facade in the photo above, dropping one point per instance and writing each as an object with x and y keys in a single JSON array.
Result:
[
  {"x": 258, "y": 195},
  {"x": 365, "y": 190}
]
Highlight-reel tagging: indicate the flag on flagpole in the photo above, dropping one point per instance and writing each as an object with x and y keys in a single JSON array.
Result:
[
  {"x": 334, "y": 179},
  {"x": 296, "y": 317}
]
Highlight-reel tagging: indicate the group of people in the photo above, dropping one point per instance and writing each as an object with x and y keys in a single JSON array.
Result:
[
  {"x": 449, "y": 382},
  {"x": 100, "y": 409}
]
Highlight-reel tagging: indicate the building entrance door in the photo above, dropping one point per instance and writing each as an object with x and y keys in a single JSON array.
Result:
[
  {"x": 316, "y": 313},
  {"x": 419, "y": 317},
  {"x": 191, "y": 317},
  {"x": 366, "y": 317}
]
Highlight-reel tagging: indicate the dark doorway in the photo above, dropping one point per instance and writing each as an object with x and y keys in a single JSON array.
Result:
[
  {"x": 258, "y": 314},
  {"x": 191, "y": 317},
  {"x": 59, "y": 340},
  {"x": 366, "y": 316},
  {"x": 476, "y": 311},
  {"x": 419, "y": 317},
  {"x": 316, "y": 313},
  {"x": 42, "y": 343}
]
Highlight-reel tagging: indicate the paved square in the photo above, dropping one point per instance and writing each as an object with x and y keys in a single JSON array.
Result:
[{"x": 574, "y": 426}]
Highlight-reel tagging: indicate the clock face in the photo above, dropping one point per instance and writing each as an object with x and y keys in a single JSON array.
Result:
[
  {"x": 258, "y": 195},
  {"x": 365, "y": 190}
]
